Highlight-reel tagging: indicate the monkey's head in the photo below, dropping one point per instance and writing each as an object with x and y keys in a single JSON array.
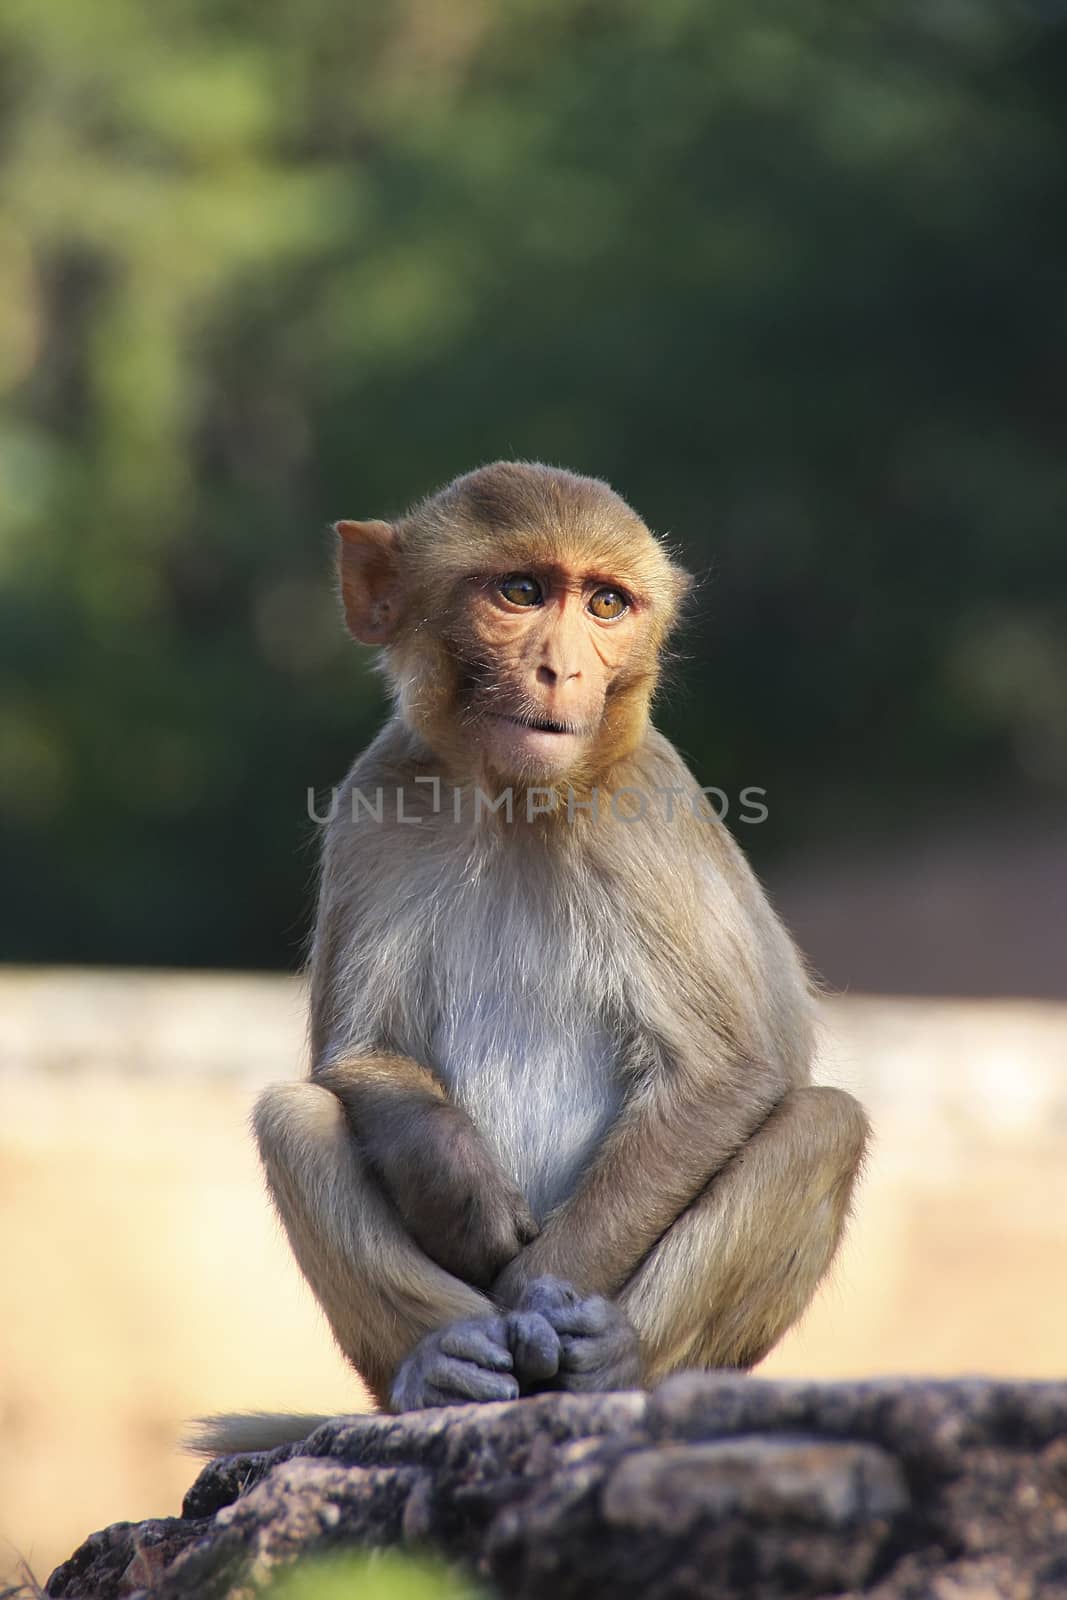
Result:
[{"x": 522, "y": 610}]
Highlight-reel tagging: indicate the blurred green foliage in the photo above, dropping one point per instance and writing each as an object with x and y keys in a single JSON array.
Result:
[
  {"x": 383, "y": 1575},
  {"x": 791, "y": 277}
]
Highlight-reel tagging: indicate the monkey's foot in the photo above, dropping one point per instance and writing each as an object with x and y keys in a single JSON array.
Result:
[
  {"x": 535, "y": 1349},
  {"x": 598, "y": 1348},
  {"x": 464, "y": 1361}
]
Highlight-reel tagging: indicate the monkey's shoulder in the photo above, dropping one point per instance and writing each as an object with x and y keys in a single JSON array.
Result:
[
  {"x": 391, "y": 784},
  {"x": 670, "y": 820},
  {"x": 698, "y": 910}
]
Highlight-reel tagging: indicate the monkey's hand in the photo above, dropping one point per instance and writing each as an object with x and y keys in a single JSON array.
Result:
[
  {"x": 464, "y": 1361},
  {"x": 451, "y": 1193},
  {"x": 598, "y": 1348}
]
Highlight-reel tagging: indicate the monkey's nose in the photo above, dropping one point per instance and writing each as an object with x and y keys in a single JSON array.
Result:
[{"x": 550, "y": 676}]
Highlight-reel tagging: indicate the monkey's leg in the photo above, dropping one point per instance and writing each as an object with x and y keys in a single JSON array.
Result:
[
  {"x": 741, "y": 1263},
  {"x": 380, "y": 1293}
]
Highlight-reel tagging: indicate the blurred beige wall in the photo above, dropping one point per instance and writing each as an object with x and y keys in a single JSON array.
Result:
[{"x": 144, "y": 1280}]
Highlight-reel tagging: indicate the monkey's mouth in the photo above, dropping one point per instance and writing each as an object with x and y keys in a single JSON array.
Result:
[
  {"x": 521, "y": 743},
  {"x": 537, "y": 724}
]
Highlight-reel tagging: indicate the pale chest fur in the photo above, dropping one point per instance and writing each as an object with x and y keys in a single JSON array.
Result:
[{"x": 512, "y": 998}]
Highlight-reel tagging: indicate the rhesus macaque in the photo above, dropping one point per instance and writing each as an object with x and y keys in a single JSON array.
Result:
[{"x": 559, "y": 1131}]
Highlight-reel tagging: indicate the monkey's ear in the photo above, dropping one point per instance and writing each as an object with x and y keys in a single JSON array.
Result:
[{"x": 371, "y": 584}]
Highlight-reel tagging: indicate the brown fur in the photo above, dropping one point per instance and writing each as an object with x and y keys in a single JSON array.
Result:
[{"x": 565, "y": 1043}]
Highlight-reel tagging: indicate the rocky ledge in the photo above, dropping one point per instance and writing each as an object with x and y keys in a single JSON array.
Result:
[{"x": 711, "y": 1486}]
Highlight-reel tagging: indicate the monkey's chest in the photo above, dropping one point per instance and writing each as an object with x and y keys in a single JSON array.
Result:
[
  {"x": 542, "y": 1086},
  {"x": 513, "y": 997}
]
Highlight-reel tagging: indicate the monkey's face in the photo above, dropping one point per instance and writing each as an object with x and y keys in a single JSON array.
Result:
[
  {"x": 546, "y": 647},
  {"x": 522, "y": 609}
]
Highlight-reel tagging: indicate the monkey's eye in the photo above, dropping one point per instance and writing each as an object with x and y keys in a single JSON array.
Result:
[
  {"x": 521, "y": 589},
  {"x": 607, "y": 604}
]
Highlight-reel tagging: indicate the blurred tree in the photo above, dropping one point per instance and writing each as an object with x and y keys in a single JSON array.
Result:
[{"x": 792, "y": 279}]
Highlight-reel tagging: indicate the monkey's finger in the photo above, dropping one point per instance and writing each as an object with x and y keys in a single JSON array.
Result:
[
  {"x": 451, "y": 1380},
  {"x": 587, "y": 1318},
  {"x": 610, "y": 1361},
  {"x": 481, "y": 1343},
  {"x": 549, "y": 1296},
  {"x": 534, "y": 1346},
  {"x": 579, "y": 1354},
  {"x": 596, "y": 1381}
]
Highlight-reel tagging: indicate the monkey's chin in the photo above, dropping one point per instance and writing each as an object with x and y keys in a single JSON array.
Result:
[{"x": 516, "y": 751}]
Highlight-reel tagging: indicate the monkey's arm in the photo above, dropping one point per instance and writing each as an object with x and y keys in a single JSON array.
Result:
[
  {"x": 720, "y": 1029},
  {"x": 433, "y": 1163},
  {"x": 677, "y": 1131}
]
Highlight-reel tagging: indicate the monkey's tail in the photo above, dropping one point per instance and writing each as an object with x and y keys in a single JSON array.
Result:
[{"x": 235, "y": 1433}]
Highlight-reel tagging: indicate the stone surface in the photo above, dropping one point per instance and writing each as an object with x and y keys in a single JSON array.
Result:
[{"x": 712, "y": 1486}]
